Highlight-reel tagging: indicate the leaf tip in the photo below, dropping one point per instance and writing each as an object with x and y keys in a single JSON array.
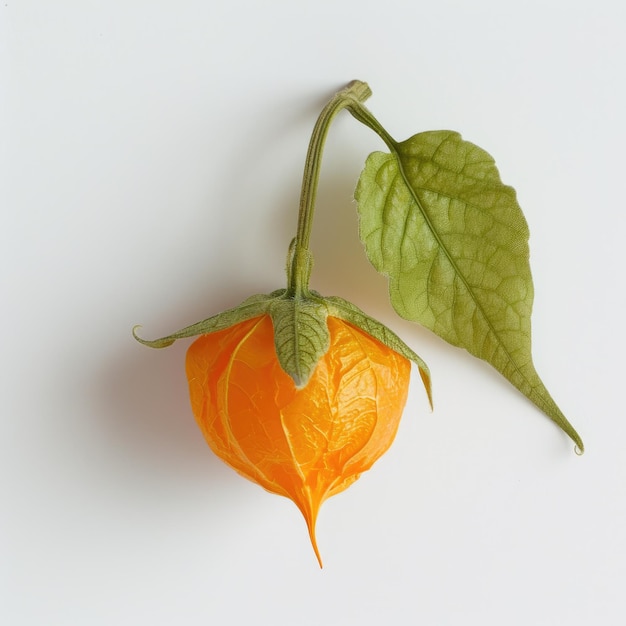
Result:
[
  {"x": 579, "y": 446},
  {"x": 299, "y": 380},
  {"x": 136, "y": 327},
  {"x": 426, "y": 380},
  {"x": 157, "y": 343}
]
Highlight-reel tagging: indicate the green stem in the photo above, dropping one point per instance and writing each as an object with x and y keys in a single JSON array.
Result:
[
  {"x": 299, "y": 270},
  {"x": 365, "y": 116}
]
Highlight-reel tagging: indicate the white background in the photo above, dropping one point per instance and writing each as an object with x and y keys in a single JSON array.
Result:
[{"x": 151, "y": 155}]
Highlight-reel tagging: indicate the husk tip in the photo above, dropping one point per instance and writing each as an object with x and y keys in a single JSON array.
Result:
[
  {"x": 315, "y": 548},
  {"x": 309, "y": 508}
]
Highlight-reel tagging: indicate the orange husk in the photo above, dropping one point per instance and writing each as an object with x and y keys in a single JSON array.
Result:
[{"x": 306, "y": 444}]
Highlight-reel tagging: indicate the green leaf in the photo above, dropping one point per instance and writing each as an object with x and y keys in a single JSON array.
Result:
[
  {"x": 301, "y": 335},
  {"x": 437, "y": 220}
]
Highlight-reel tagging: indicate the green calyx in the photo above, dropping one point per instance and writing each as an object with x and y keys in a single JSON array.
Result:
[
  {"x": 298, "y": 314},
  {"x": 301, "y": 335}
]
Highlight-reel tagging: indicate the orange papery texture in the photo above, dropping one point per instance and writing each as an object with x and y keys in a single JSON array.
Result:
[{"x": 306, "y": 444}]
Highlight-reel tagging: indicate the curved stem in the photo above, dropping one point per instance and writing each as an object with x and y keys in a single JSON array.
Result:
[
  {"x": 356, "y": 92},
  {"x": 365, "y": 116}
]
